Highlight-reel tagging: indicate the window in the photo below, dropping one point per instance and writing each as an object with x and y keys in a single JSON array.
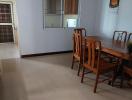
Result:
[
  {"x": 60, "y": 13},
  {"x": 6, "y": 22}
]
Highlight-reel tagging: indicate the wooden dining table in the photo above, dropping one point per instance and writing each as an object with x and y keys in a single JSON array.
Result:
[{"x": 110, "y": 48}]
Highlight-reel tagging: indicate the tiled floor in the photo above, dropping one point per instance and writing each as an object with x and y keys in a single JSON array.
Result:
[
  {"x": 8, "y": 50},
  {"x": 51, "y": 78}
]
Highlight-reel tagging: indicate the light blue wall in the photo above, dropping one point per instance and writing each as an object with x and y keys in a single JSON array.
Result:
[
  {"x": 95, "y": 16},
  {"x": 88, "y": 15},
  {"x": 106, "y": 19},
  {"x": 35, "y": 39},
  {"x": 125, "y": 15}
]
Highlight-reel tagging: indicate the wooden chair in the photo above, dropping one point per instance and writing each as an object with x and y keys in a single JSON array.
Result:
[
  {"x": 95, "y": 63},
  {"x": 80, "y": 30},
  {"x": 119, "y": 38},
  {"x": 127, "y": 66},
  {"x": 128, "y": 71},
  {"x": 129, "y": 38},
  {"x": 77, "y": 47}
]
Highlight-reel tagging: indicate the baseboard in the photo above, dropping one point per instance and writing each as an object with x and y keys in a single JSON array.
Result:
[{"x": 42, "y": 54}]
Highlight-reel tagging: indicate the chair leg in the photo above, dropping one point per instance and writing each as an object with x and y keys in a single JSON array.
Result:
[
  {"x": 79, "y": 68},
  {"x": 72, "y": 62},
  {"x": 83, "y": 75},
  {"x": 96, "y": 83},
  {"x": 114, "y": 77},
  {"x": 122, "y": 80}
]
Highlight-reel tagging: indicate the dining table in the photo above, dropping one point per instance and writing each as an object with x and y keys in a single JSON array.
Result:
[{"x": 119, "y": 51}]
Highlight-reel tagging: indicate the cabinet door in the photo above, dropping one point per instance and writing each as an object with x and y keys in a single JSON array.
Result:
[{"x": 71, "y": 6}]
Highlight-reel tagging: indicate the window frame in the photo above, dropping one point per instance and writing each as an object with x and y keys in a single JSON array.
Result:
[{"x": 62, "y": 15}]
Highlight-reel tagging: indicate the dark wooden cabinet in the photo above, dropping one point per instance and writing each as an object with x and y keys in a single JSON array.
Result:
[{"x": 71, "y": 6}]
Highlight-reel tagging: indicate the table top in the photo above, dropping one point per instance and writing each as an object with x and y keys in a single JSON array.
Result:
[{"x": 109, "y": 47}]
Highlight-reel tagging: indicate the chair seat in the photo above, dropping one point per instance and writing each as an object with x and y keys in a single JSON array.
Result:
[
  {"x": 104, "y": 66},
  {"x": 109, "y": 58}
]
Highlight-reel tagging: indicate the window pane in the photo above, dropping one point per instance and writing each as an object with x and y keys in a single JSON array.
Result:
[
  {"x": 70, "y": 20},
  {"x": 61, "y": 13},
  {"x": 6, "y": 33},
  {"x": 53, "y": 14},
  {"x": 70, "y": 13},
  {"x": 5, "y": 13},
  {"x": 53, "y": 20}
]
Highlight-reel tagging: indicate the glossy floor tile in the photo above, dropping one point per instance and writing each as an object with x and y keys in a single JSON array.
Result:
[
  {"x": 9, "y": 50},
  {"x": 51, "y": 78}
]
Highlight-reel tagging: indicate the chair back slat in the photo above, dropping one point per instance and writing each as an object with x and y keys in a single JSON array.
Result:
[
  {"x": 119, "y": 38},
  {"x": 77, "y": 41},
  {"x": 93, "y": 54},
  {"x": 129, "y": 38},
  {"x": 78, "y": 44}
]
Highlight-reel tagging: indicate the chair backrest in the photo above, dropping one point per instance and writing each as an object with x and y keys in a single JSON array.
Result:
[
  {"x": 80, "y": 30},
  {"x": 129, "y": 38},
  {"x": 120, "y": 36},
  {"x": 93, "y": 55},
  {"x": 77, "y": 44}
]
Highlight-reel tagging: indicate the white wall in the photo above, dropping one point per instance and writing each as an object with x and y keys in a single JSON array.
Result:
[
  {"x": 35, "y": 39},
  {"x": 88, "y": 15},
  {"x": 106, "y": 19},
  {"x": 125, "y": 15}
]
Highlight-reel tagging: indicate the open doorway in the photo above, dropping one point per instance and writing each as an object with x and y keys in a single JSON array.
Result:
[
  {"x": 8, "y": 33},
  {"x": 6, "y": 22}
]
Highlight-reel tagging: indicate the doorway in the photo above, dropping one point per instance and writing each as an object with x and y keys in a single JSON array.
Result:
[
  {"x": 8, "y": 33},
  {"x": 6, "y": 23}
]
